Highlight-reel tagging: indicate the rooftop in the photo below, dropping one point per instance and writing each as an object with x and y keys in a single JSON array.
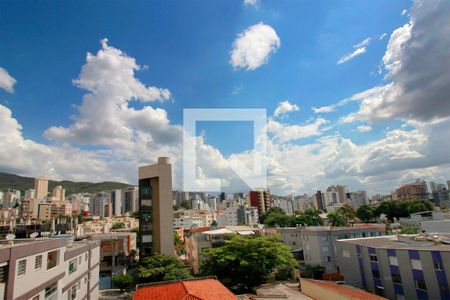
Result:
[
  {"x": 344, "y": 290},
  {"x": 193, "y": 289},
  {"x": 381, "y": 227},
  {"x": 407, "y": 242}
]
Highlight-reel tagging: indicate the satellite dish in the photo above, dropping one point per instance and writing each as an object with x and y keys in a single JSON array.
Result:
[
  {"x": 10, "y": 237},
  {"x": 34, "y": 234}
]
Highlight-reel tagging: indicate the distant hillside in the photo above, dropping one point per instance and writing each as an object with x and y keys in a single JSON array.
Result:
[{"x": 24, "y": 183}]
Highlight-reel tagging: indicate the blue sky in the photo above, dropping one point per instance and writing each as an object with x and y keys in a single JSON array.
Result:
[{"x": 187, "y": 46}]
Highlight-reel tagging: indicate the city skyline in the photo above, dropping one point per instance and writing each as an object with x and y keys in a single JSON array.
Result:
[{"x": 342, "y": 107}]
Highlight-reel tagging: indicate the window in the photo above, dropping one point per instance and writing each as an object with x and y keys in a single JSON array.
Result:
[
  {"x": 79, "y": 285},
  {"x": 373, "y": 257},
  {"x": 438, "y": 266},
  {"x": 327, "y": 258},
  {"x": 72, "y": 265},
  {"x": 420, "y": 284},
  {"x": 324, "y": 238},
  {"x": 52, "y": 260},
  {"x": 346, "y": 253},
  {"x": 38, "y": 262},
  {"x": 85, "y": 279},
  {"x": 325, "y": 249},
  {"x": 147, "y": 238},
  {"x": 396, "y": 278},
  {"x": 22, "y": 267},
  {"x": 393, "y": 261},
  {"x": 416, "y": 264},
  {"x": 72, "y": 294},
  {"x": 51, "y": 290},
  {"x": 80, "y": 260},
  {"x": 86, "y": 256},
  {"x": 376, "y": 274}
]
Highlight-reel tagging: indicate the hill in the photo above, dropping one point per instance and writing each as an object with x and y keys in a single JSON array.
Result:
[{"x": 24, "y": 183}]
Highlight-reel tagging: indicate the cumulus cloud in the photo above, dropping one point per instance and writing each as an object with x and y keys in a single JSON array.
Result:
[
  {"x": 284, "y": 133},
  {"x": 417, "y": 59},
  {"x": 7, "y": 82},
  {"x": 284, "y": 107},
  {"x": 253, "y": 47}
]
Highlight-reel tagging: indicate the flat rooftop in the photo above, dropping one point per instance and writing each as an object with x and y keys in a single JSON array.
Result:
[{"x": 395, "y": 242}]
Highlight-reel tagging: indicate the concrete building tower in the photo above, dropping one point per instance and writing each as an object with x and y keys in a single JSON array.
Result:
[
  {"x": 59, "y": 194},
  {"x": 156, "y": 209},
  {"x": 41, "y": 188}
]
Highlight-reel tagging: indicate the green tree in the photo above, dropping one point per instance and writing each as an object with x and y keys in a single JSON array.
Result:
[
  {"x": 347, "y": 212},
  {"x": 273, "y": 210},
  {"x": 409, "y": 230},
  {"x": 123, "y": 281},
  {"x": 419, "y": 206},
  {"x": 160, "y": 267},
  {"x": 119, "y": 225},
  {"x": 336, "y": 219},
  {"x": 312, "y": 271},
  {"x": 185, "y": 204},
  {"x": 365, "y": 213},
  {"x": 278, "y": 219},
  {"x": 312, "y": 217},
  {"x": 247, "y": 260}
]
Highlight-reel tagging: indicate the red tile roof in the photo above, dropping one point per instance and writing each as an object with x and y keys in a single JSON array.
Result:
[
  {"x": 199, "y": 229},
  {"x": 194, "y": 289},
  {"x": 351, "y": 293}
]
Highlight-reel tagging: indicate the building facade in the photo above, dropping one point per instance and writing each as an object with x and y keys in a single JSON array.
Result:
[
  {"x": 319, "y": 243},
  {"x": 413, "y": 191},
  {"x": 260, "y": 199},
  {"x": 403, "y": 267},
  {"x": 52, "y": 269},
  {"x": 156, "y": 209}
]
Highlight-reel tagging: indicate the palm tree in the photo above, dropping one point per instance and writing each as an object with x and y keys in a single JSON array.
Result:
[{"x": 336, "y": 219}]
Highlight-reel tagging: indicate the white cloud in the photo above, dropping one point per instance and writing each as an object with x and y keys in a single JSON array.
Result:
[
  {"x": 418, "y": 63},
  {"x": 364, "y": 43},
  {"x": 364, "y": 128},
  {"x": 6, "y": 81},
  {"x": 253, "y": 47},
  {"x": 381, "y": 37},
  {"x": 350, "y": 56},
  {"x": 251, "y": 2},
  {"x": 404, "y": 12},
  {"x": 324, "y": 109},
  {"x": 284, "y": 133},
  {"x": 284, "y": 107}
]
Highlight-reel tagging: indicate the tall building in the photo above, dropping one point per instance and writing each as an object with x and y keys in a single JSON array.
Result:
[
  {"x": 397, "y": 267},
  {"x": 156, "y": 209},
  {"x": 260, "y": 199},
  {"x": 59, "y": 194},
  {"x": 441, "y": 196},
  {"x": 413, "y": 191},
  {"x": 130, "y": 199},
  {"x": 341, "y": 192},
  {"x": 319, "y": 201},
  {"x": 116, "y": 199},
  {"x": 358, "y": 199},
  {"x": 29, "y": 194},
  {"x": 40, "y": 188}
]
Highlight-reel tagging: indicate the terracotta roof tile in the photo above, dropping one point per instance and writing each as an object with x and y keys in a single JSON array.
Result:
[{"x": 196, "y": 289}]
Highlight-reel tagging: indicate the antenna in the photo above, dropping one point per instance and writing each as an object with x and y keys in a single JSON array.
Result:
[{"x": 34, "y": 234}]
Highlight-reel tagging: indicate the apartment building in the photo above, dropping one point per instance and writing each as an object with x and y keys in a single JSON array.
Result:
[
  {"x": 49, "y": 268},
  {"x": 413, "y": 191},
  {"x": 319, "y": 242},
  {"x": 398, "y": 267}
]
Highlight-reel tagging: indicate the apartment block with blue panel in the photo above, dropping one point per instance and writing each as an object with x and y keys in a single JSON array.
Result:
[{"x": 397, "y": 267}]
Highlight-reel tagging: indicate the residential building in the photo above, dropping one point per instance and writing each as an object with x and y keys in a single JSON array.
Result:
[
  {"x": 44, "y": 211},
  {"x": 187, "y": 222},
  {"x": 59, "y": 194},
  {"x": 196, "y": 288},
  {"x": 116, "y": 200},
  {"x": 416, "y": 219},
  {"x": 260, "y": 199},
  {"x": 115, "y": 254},
  {"x": 441, "y": 196},
  {"x": 41, "y": 188},
  {"x": 49, "y": 268},
  {"x": 29, "y": 194},
  {"x": 397, "y": 267},
  {"x": 319, "y": 202},
  {"x": 156, "y": 209},
  {"x": 291, "y": 236},
  {"x": 413, "y": 191},
  {"x": 130, "y": 199},
  {"x": 285, "y": 203},
  {"x": 10, "y": 198},
  {"x": 341, "y": 193},
  {"x": 357, "y": 199},
  {"x": 247, "y": 215},
  {"x": 319, "y": 242}
]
